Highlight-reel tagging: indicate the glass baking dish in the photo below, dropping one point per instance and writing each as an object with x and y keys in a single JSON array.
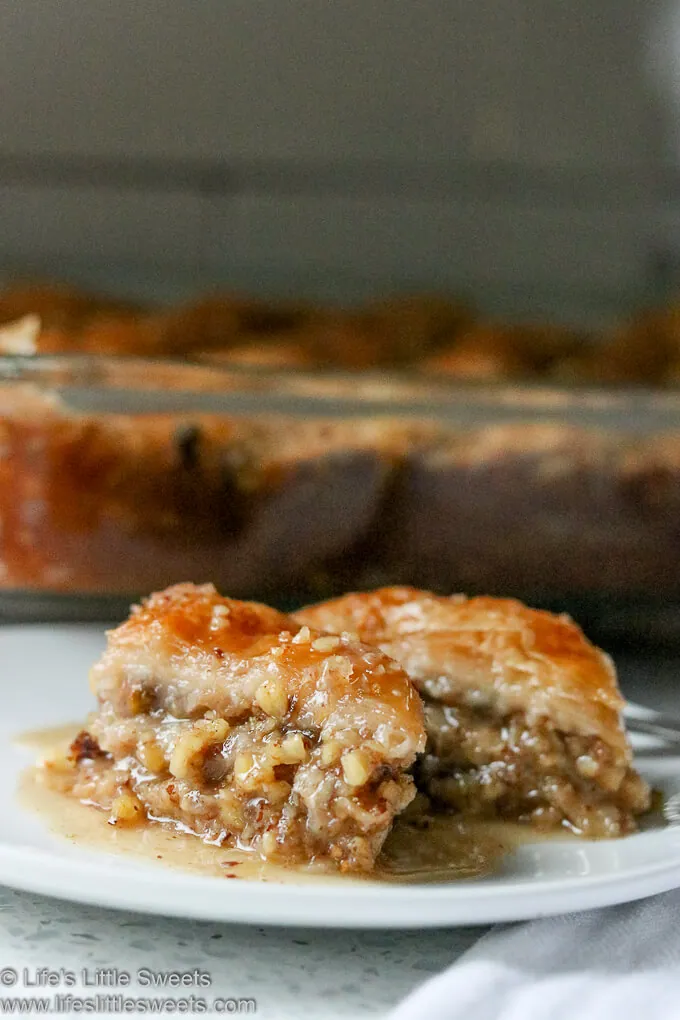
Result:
[{"x": 119, "y": 476}]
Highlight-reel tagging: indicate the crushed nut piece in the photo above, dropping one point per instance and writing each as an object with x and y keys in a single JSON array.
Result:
[
  {"x": 84, "y": 746},
  {"x": 194, "y": 745},
  {"x": 126, "y": 809},
  {"x": 277, "y": 791},
  {"x": 356, "y": 767},
  {"x": 326, "y": 643},
  {"x": 231, "y": 810},
  {"x": 303, "y": 636},
  {"x": 141, "y": 700},
  {"x": 244, "y": 768},
  {"x": 268, "y": 843},
  {"x": 587, "y": 766},
  {"x": 293, "y": 750},
  {"x": 152, "y": 756},
  {"x": 330, "y": 751},
  {"x": 272, "y": 697}
]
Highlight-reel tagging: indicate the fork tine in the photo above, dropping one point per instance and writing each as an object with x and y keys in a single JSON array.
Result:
[
  {"x": 653, "y": 729},
  {"x": 656, "y": 753},
  {"x": 633, "y": 713}
]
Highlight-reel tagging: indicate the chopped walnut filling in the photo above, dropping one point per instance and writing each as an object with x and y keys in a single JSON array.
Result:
[
  {"x": 523, "y": 713},
  {"x": 289, "y": 741},
  {"x": 483, "y": 764}
]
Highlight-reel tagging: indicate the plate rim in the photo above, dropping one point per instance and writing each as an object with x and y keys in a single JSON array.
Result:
[{"x": 141, "y": 888}]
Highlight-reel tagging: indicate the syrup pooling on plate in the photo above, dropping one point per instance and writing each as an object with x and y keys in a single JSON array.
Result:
[
  {"x": 422, "y": 848},
  {"x": 441, "y": 848}
]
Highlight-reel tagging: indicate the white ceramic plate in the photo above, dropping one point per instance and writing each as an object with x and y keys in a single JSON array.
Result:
[{"x": 43, "y": 676}]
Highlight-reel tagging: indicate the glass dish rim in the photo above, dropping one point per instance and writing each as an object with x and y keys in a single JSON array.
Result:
[{"x": 176, "y": 384}]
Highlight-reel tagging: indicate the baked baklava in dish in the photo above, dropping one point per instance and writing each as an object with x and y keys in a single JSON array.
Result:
[
  {"x": 277, "y": 507},
  {"x": 126, "y": 503},
  {"x": 231, "y": 721},
  {"x": 435, "y": 334},
  {"x": 523, "y": 713},
  {"x": 497, "y": 352}
]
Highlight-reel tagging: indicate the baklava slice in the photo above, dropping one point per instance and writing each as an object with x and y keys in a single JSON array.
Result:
[
  {"x": 231, "y": 721},
  {"x": 523, "y": 713}
]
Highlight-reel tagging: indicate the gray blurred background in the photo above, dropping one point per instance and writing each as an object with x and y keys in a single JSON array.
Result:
[{"x": 522, "y": 151}]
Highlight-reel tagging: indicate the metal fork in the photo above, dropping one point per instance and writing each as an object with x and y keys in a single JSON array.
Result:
[
  {"x": 666, "y": 728},
  {"x": 653, "y": 724},
  {"x": 671, "y": 809}
]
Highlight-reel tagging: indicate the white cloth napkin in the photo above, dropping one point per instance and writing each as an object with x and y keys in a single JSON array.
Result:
[{"x": 614, "y": 964}]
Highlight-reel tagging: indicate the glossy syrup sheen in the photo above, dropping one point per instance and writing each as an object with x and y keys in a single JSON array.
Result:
[
  {"x": 192, "y": 622},
  {"x": 438, "y": 848}
]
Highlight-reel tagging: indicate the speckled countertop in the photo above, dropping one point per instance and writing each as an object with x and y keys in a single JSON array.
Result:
[{"x": 293, "y": 974}]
